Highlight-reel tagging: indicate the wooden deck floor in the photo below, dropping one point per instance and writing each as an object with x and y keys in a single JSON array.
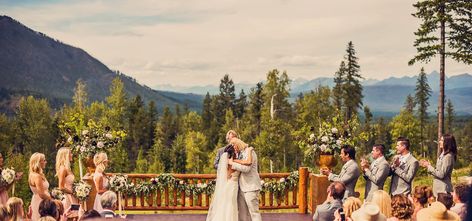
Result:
[{"x": 202, "y": 217}]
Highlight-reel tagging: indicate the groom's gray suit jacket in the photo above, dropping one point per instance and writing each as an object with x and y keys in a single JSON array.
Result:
[{"x": 249, "y": 179}]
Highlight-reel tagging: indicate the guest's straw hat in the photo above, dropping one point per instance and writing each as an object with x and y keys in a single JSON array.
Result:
[
  {"x": 368, "y": 212},
  {"x": 436, "y": 212}
]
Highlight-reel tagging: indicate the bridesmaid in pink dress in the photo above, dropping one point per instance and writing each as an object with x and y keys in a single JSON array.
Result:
[
  {"x": 3, "y": 190},
  {"x": 38, "y": 183},
  {"x": 65, "y": 176},
  {"x": 99, "y": 178}
]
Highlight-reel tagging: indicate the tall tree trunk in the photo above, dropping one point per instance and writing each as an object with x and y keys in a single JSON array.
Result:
[{"x": 441, "y": 77}]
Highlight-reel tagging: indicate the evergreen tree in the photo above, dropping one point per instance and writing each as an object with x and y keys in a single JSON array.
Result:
[
  {"x": 367, "y": 128},
  {"x": 410, "y": 104},
  {"x": 117, "y": 103},
  {"x": 444, "y": 22},
  {"x": 196, "y": 158},
  {"x": 164, "y": 137},
  {"x": 206, "y": 112},
  {"x": 423, "y": 92},
  {"x": 256, "y": 101},
  {"x": 141, "y": 163},
  {"x": 352, "y": 85},
  {"x": 240, "y": 105},
  {"x": 276, "y": 93},
  {"x": 152, "y": 116},
  {"x": 450, "y": 116},
  {"x": 179, "y": 154},
  {"x": 338, "y": 91}
]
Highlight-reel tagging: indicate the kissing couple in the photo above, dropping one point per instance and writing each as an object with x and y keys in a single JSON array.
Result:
[{"x": 236, "y": 196}]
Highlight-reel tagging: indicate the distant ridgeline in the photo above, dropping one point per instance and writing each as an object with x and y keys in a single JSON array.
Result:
[{"x": 32, "y": 63}]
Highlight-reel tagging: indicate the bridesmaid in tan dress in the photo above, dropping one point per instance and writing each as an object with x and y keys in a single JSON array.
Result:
[
  {"x": 99, "y": 178},
  {"x": 65, "y": 176},
  {"x": 38, "y": 183}
]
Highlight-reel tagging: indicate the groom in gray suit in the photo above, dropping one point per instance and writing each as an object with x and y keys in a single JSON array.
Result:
[
  {"x": 249, "y": 184},
  {"x": 404, "y": 168},
  {"x": 349, "y": 173},
  {"x": 375, "y": 174}
]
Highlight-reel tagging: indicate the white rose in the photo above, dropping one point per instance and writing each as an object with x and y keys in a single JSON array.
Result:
[
  {"x": 334, "y": 130},
  {"x": 82, "y": 149},
  {"x": 262, "y": 182},
  {"x": 100, "y": 144},
  {"x": 323, "y": 147},
  {"x": 181, "y": 182},
  {"x": 324, "y": 139},
  {"x": 282, "y": 180},
  {"x": 312, "y": 136},
  {"x": 109, "y": 136},
  {"x": 85, "y": 132},
  {"x": 338, "y": 142}
]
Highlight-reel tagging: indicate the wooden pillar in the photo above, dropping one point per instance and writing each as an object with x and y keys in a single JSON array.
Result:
[
  {"x": 318, "y": 186},
  {"x": 302, "y": 189}
]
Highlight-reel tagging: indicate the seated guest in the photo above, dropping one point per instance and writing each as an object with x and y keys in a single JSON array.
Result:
[
  {"x": 437, "y": 212},
  {"x": 459, "y": 196},
  {"x": 108, "y": 201},
  {"x": 15, "y": 209},
  {"x": 90, "y": 215},
  {"x": 3, "y": 212},
  {"x": 350, "y": 205},
  {"x": 47, "y": 207},
  {"x": 368, "y": 211},
  {"x": 383, "y": 201},
  {"x": 421, "y": 198},
  {"x": 325, "y": 211},
  {"x": 446, "y": 199},
  {"x": 402, "y": 208}
]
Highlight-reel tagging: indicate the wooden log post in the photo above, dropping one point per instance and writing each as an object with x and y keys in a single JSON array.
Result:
[
  {"x": 302, "y": 190},
  {"x": 319, "y": 184}
]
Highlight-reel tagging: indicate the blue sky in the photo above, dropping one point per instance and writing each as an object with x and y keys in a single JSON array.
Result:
[{"x": 190, "y": 42}]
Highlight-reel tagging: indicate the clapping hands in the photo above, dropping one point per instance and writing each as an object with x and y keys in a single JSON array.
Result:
[{"x": 425, "y": 163}]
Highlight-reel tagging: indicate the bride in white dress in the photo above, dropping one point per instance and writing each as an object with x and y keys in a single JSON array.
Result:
[{"x": 224, "y": 204}]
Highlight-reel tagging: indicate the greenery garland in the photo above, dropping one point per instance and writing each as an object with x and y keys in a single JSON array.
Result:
[{"x": 279, "y": 188}]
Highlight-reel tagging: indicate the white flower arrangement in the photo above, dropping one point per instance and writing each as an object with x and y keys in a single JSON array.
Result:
[
  {"x": 119, "y": 183},
  {"x": 81, "y": 190},
  {"x": 8, "y": 176},
  {"x": 57, "y": 194}
]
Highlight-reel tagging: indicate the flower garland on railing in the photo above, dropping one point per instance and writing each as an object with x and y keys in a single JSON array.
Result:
[
  {"x": 280, "y": 187},
  {"x": 120, "y": 183}
]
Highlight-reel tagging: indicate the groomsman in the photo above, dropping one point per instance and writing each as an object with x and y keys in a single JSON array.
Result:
[
  {"x": 404, "y": 168},
  {"x": 230, "y": 134},
  {"x": 375, "y": 174},
  {"x": 349, "y": 172}
]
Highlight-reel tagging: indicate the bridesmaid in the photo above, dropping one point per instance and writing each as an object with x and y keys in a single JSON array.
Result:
[
  {"x": 444, "y": 165},
  {"x": 38, "y": 183},
  {"x": 99, "y": 178},
  {"x": 3, "y": 189},
  {"x": 65, "y": 176}
]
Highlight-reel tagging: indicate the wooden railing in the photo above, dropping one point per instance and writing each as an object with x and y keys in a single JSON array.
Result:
[{"x": 173, "y": 199}]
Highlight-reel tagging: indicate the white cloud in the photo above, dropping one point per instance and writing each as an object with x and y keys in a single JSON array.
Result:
[{"x": 196, "y": 42}]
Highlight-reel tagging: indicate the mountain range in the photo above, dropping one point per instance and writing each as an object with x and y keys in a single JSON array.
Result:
[{"x": 31, "y": 63}]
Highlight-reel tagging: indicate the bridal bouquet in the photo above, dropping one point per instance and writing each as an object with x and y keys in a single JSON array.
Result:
[
  {"x": 119, "y": 183},
  {"x": 81, "y": 190},
  {"x": 57, "y": 194},
  {"x": 8, "y": 176}
]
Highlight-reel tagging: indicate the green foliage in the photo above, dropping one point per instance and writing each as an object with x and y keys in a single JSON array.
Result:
[
  {"x": 407, "y": 125},
  {"x": 197, "y": 157},
  {"x": 179, "y": 154},
  {"x": 410, "y": 104},
  {"x": 141, "y": 163},
  {"x": 450, "y": 116}
]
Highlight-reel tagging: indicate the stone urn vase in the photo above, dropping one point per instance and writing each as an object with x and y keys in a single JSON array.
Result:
[{"x": 325, "y": 161}]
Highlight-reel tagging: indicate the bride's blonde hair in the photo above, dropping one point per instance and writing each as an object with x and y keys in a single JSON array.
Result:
[
  {"x": 239, "y": 143},
  {"x": 62, "y": 159},
  {"x": 99, "y": 161}
]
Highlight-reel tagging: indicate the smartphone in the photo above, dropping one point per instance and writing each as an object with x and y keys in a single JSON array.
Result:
[
  {"x": 74, "y": 207},
  {"x": 341, "y": 213}
]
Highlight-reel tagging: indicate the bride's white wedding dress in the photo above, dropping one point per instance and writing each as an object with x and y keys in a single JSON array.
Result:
[{"x": 224, "y": 204}]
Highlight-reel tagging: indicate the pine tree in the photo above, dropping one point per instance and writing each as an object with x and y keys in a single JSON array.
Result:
[
  {"x": 409, "y": 104},
  {"x": 449, "y": 117},
  {"x": 256, "y": 101},
  {"x": 423, "y": 92},
  {"x": 338, "y": 91},
  {"x": 164, "y": 137},
  {"x": 117, "y": 103},
  {"x": 179, "y": 154},
  {"x": 444, "y": 22},
  {"x": 240, "y": 105},
  {"x": 206, "y": 112},
  {"x": 352, "y": 86},
  {"x": 152, "y": 116},
  {"x": 367, "y": 128}
]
